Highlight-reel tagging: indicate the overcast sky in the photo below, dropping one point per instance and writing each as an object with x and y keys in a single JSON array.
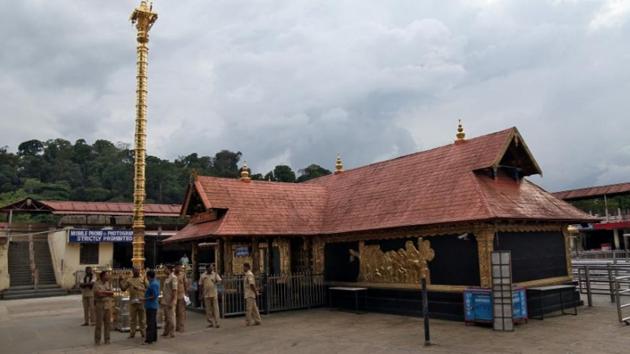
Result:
[{"x": 296, "y": 82}]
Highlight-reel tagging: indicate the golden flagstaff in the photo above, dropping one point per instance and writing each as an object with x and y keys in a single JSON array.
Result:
[{"x": 144, "y": 18}]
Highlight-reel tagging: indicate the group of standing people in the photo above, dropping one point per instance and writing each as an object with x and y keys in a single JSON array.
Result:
[
  {"x": 174, "y": 300},
  {"x": 144, "y": 301},
  {"x": 208, "y": 283},
  {"x": 98, "y": 303}
]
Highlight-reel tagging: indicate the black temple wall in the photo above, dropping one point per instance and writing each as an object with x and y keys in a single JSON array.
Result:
[
  {"x": 535, "y": 255},
  {"x": 337, "y": 264},
  {"x": 456, "y": 260}
]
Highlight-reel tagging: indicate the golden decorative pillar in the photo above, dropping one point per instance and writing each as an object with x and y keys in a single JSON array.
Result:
[
  {"x": 255, "y": 255},
  {"x": 485, "y": 246},
  {"x": 567, "y": 249},
  {"x": 284, "y": 253},
  {"x": 227, "y": 257},
  {"x": 317, "y": 248},
  {"x": 144, "y": 18}
]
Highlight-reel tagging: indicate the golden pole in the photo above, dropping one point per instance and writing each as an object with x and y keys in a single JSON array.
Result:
[{"x": 144, "y": 18}]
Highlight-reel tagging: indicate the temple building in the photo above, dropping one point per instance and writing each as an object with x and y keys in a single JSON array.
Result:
[
  {"x": 610, "y": 204},
  {"x": 373, "y": 226}
]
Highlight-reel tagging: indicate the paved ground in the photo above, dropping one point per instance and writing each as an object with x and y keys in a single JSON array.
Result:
[{"x": 52, "y": 326}]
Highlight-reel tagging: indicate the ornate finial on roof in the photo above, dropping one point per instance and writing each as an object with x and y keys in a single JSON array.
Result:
[
  {"x": 461, "y": 135},
  {"x": 245, "y": 173},
  {"x": 338, "y": 164},
  {"x": 194, "y": 174}
]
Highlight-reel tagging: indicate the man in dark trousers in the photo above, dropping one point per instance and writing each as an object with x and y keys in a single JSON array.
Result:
[{"x": 151, "y": 296}]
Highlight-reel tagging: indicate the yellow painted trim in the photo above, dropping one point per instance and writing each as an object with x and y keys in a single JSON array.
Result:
[
  {"x": 401, "y": 286},
  {"x": 544, "y": 282}
]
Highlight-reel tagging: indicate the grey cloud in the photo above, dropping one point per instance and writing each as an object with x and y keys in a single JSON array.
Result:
[{"x": 296, "y": 82}]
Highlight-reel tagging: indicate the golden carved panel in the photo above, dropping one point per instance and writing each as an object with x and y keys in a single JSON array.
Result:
[{"x": 406, "y": 265}]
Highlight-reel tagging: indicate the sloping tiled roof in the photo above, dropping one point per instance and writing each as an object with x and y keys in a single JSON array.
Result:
[
  {"x": 592, "y": 192},
  {"x": 438, "y": 186},
  {"x": 108, "y": 208}
]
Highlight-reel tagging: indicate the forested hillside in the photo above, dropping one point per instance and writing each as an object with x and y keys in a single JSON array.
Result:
[{"x": 60, "y": 170}]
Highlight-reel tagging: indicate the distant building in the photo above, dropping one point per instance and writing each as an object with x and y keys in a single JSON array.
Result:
[
  {"x": 611, "y": 204},
  {"x": 362, "y": 227},
  {"x": 75, "y": 235}
]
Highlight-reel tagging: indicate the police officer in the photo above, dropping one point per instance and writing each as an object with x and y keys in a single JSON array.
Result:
[
  {"x": 104, "y": 302},
  {"x": 208, "y": 284},
  {"x": 249, "y": 286},
  {"x": 87, "y": 296},
  {"x": 169, "y": 301},
  {"x": 182, "y": 287},
  {"x": 136, "y": 286}
]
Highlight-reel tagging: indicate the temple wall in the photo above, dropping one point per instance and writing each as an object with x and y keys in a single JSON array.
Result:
[
  {"x": 461, "y": 256},
  {"x": 66, "y": 258},
  {"x": 4, "y": 265}
]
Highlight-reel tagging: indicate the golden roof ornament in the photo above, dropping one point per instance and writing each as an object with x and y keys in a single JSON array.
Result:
[
  {"x": 245, "y": 173},
  {"x": 338, "y": 164},
  {"x": 194, "y": 174},
  {"x": 461, "y": 135}
]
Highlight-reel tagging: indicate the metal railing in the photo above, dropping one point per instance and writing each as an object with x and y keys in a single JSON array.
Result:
[
  {"x": 619, "y": 293},
  {"x": 277, "y": 293},
  {"x": 614, "y": 255},
  {"x": 596, "y": 278}
]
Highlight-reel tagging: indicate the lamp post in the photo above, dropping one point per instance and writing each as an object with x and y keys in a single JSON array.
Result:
[
  {"x": 143, "y": 18},
  {"x": 426, "y": 255}
]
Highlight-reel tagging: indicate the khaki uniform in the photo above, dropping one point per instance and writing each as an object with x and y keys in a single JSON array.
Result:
[
  {"x": 137, "y": 287},
  {"x": 211, "y": 297},
  {"x": 251, "y": 308},
  {"x": 87, "y": 296},
  {"x": 104, "y": 306},
  {"x": 170, "y": 284},
  {"x": 180, "y": 314}
]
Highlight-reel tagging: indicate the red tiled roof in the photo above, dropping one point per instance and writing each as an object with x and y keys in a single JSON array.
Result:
[
  {"x": 196, "y": 231},
  {"x": 268, "y": 208},
  {"x": 108, "y": 208},
  {"x": 592, "y": 192},
  {"x": 438, "y": 186}
]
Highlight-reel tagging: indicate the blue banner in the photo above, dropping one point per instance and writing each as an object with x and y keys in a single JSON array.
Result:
[
  {"x": 97, "y": 236},
  {"x": 241, "y": 252}
]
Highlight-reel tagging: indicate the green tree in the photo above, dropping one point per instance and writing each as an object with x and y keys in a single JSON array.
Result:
[
  {"x": 283, "y": 173},
  {"x": 225, "y": 164},
  {"x": 312, "y": 171}
]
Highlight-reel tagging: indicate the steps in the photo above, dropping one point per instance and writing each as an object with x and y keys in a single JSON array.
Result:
[
  {"x": 43, "y": 262},
  {"x": 19, "y": 269},
  {"x": 20, "y": 272},
  {"x": 27, "y": 292}
]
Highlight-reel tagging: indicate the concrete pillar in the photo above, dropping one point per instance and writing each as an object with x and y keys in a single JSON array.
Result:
[{"x": 616, "y": 239}]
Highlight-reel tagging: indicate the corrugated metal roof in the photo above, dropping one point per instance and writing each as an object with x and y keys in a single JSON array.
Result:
[{"x": 593, "y": 192}]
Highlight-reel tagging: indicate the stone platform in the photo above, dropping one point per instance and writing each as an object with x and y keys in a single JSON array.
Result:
[{"x": 52, "y": 325}]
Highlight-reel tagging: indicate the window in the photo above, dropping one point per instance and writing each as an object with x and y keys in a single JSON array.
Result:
[{"x": 88, "y": 253}]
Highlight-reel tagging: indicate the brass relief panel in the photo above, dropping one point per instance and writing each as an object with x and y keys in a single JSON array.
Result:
[{"x": 406, "y": 265}]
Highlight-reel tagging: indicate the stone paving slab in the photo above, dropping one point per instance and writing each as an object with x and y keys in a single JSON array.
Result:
[{"x": 52, "y": 326}]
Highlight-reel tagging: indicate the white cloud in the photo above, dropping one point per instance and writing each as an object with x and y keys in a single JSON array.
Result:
[
  {"x": 297, "y": 81},
  {"x": 611, "y": 14}
]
